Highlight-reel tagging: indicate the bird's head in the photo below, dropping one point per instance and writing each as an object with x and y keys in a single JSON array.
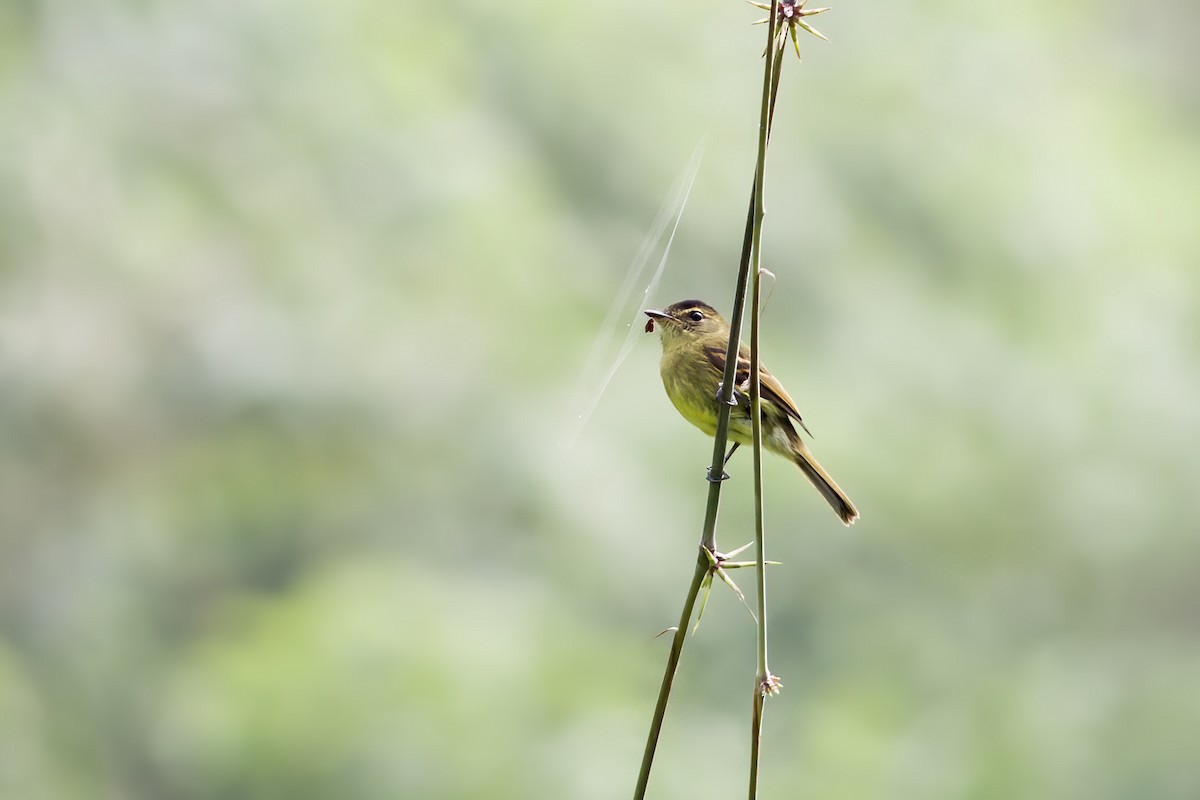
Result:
[{"x": 685, "y": 321}]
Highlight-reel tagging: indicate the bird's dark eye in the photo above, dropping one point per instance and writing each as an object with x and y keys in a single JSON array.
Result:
[{"x": 696, "y": 316}]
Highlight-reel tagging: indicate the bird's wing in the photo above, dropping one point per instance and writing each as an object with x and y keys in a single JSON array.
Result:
[{"x": 769, "y": 386}]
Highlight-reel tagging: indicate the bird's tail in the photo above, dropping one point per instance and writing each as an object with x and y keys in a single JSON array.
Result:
[{"x": 825, "y": 485}]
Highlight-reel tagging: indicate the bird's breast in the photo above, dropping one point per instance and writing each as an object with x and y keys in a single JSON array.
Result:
[{"x": 691, "y": 384}]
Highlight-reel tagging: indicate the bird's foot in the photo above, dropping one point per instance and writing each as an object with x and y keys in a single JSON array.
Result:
[{"x": 735, "y": 399}]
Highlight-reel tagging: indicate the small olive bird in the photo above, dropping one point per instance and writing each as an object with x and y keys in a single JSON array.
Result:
[{"x": 694, "y": 341}]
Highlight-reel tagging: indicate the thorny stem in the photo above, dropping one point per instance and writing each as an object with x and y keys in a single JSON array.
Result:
[
  {"x": 750, "y": 246},
  {"x": 664, "y": 691},
  {"x": 772, "y": 72},
  {"x": 708, "y": 537}
]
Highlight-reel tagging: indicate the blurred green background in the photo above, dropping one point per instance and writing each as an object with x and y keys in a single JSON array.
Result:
[{"x": 294, "y": 298}]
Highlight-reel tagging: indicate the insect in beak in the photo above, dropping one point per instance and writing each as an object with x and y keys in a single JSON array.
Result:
[{"x": 653, "y": 315}]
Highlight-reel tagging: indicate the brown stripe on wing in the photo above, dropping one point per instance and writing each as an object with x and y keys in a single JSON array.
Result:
[
  {"x": 771, "y": 389},
  {"x": 716, "y": 357}
]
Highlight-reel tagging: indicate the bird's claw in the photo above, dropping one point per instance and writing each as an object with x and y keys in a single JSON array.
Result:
[{"x": 734, "y": 400}]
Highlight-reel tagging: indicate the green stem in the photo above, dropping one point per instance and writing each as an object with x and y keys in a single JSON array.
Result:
[
  {"x": 753, "y": 233},
  {"x": 708, "y": 539},
  {"x": 756, "y": 726},
  {"x": 763, "y": 675},
  {"x": 664, "y": 691}
]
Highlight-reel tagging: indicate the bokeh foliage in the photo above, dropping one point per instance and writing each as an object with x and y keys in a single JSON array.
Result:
[{"x": 293, "y": 298}]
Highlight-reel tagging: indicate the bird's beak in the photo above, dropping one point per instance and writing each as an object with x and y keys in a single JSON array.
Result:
[{"x": 653, "y": 315}]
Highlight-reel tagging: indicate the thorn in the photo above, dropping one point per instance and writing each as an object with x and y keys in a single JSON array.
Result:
[
  {"x": 769, "y": 685},
  {"x": 811, "y": 30},
  {"x": 739, "y": 551}
]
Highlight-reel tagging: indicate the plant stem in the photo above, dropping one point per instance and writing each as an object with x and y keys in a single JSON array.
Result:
[
  {"x": 709, "y": 536},
  {"x": 664, "y": 691},
  {"x": 772, "y": 72},
  {"x": 708, "y": 539},
  {"x": 756, "y": 727}
]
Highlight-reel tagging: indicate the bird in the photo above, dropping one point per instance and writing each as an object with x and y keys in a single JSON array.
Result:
[{"x": 695, "y": 340}]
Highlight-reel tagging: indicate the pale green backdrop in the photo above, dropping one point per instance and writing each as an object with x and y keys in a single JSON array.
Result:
[{"x": 294, "y": 298}]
